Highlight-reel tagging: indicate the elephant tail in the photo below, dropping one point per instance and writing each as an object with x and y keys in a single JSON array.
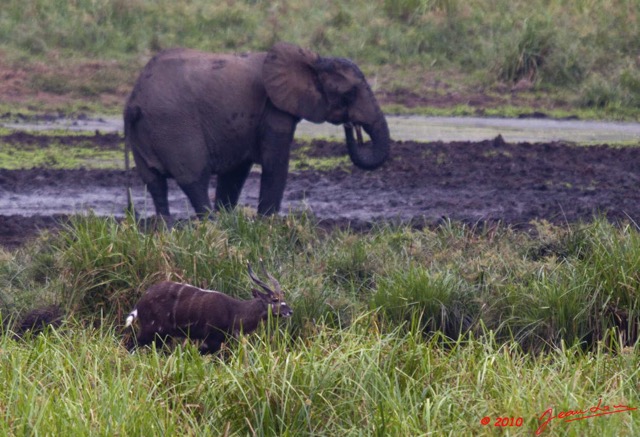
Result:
[{"x": 131, "y": 116}]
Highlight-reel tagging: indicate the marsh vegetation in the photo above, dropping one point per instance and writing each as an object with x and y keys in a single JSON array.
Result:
[{"x": 400, "y": 327}]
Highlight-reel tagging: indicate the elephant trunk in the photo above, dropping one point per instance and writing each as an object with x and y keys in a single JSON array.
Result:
[{"x": 368, "y": 156}]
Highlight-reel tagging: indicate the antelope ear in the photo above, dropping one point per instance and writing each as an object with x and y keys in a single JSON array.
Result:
[
  {"x": 260, "y": 295},
  {"x": 292, "y": 83}
]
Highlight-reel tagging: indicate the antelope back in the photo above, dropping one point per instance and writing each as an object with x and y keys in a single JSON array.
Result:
[{"x": 176, "y": 306}]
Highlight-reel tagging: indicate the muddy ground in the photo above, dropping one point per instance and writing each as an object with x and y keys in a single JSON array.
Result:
[{"x": 424, "y": 183}]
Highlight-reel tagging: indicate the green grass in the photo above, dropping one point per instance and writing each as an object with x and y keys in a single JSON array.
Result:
[
  {"x": 46, "y": 150},
  {"x": 373, "y": 346},
  {"x": 302, "y": 159},
  {"x": 352, "y": 381},
  {"x": 58, "y": 156},
  {"x": 569, "y": 285},
  {"x": 511, "y": 110},
  {"x": 584, "y": 51}
]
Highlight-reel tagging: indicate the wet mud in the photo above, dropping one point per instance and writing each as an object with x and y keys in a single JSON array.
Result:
[{"x": 422, "y": 183}]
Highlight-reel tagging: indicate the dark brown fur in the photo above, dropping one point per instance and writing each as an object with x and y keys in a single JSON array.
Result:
[{"x": 174, "y": 310}]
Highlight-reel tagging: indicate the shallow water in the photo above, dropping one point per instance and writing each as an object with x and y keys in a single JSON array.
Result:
[{"x": 418, "y": 128}]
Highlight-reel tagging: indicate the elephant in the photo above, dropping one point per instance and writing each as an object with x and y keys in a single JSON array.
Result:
[{"x": 192, "y": 114}]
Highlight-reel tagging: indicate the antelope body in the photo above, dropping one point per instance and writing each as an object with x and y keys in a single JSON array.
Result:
[{"x": 174, "y": 310}]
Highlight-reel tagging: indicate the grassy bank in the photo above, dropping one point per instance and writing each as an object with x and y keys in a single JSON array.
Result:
[
  {"x": 551, "y": 318},
  {"x": 542, "y": 288},
  {"x": 582, "y": 53}
]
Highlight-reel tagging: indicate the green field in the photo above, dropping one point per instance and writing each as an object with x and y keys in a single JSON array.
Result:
[{"x": 581, "y": 54}]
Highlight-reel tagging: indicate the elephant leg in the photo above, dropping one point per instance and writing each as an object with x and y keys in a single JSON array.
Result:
[
  {"x": 159, "y": 193},
  {"x": 229, "y": 186},
  {"x": 272, "y": 183},
  {"x": 275, "y": 166},
  {"x": 198, "y": 194}
]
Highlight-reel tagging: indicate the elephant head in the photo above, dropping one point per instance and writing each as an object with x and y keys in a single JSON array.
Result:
[{"x": 319, "y": 89}]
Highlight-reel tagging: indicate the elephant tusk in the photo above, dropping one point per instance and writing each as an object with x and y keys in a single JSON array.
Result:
[{"x": 359, "y": 135}]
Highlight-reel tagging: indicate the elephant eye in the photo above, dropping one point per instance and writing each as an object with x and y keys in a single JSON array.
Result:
[{"x": 349, "y": 97}]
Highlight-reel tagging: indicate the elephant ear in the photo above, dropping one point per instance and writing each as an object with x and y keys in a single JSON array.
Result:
[{"x": 292, "y": 83}]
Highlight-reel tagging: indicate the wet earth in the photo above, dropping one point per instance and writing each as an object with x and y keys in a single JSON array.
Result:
[{"x": 422, "y": 183}]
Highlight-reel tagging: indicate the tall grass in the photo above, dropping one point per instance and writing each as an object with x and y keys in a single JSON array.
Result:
[
  {"x": 554, "y": 44},
  {"x": 352, "y": 381},
  {"x": 576, "y": 285},
  {"x": 399, "y": 331}
]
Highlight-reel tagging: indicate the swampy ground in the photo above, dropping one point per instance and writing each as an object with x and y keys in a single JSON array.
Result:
[{"x": 425, "y": 183}]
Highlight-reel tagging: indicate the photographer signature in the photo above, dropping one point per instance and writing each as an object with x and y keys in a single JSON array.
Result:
[{"x": 573, "y": 415}]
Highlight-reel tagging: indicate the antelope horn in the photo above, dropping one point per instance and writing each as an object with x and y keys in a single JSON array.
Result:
[
  {"x": 258, "y": 281},
  {"x": 276, "y": 285}
]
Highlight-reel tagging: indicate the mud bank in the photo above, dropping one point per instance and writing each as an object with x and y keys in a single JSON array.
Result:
[{"x": 474, "y": 182}]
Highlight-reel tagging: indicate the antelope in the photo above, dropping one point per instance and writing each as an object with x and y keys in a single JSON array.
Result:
[{"x": 175, "y": 310}]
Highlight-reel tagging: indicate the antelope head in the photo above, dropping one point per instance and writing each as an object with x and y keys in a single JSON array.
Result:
[{"x": 274, "y": 296}]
